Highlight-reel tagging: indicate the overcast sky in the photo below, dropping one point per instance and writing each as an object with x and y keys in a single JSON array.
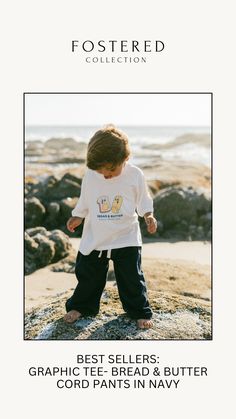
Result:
[{"x": 119, "y": 109}]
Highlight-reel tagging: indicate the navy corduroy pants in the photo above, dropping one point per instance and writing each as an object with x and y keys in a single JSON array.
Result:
[{"x": 91, "y": 272}]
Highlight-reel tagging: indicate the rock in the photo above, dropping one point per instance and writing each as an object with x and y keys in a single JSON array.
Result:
[
  {"x": 161, "y": 174},
  {"x": 53, "y": 209},
  {"x": 34, "y": 148},
  {"x": 34, "y": 212},
  {"x": 49, "y": 182},
  {"x": 54, "y": 189},
  {"x": 182, "y": 212},
  {"x": 179, "y": 294},
  {"x": 175, "y": 317},
  {"x": 43, "y": 248},
  {"x": 209, "y": 234},
  {"x": 62, "y": 244},
  {"x": 36, "y": 230},
  {"x": 46, "y": 250},
  {"x": 39, "y": 252},
  {"x": 173, "y": 206},
  {"x": 205, "y": 220},
  {"x": 200, "y": 233},
  {"x": 30, "y": 252},
  {"x": 39, "y": 189},
  {"x": 30, "y": 244},
  {"x": 49, "y": 203},
  {"x": 65, "y": 265},
  {"x": 52, "y": 219},
  {"x": 160, "y": 227},
  {"x": 30, "y": 183},
  {"x": 58, "y": 144},
  {"x": 66, "y": 206},
  {"x": 55, "y": 148},
  {"x": 67, "y": 186},
  {"x": 156, "y": 185},
  {"x": 203, "y": 140},
  {"x": 47, "y": 324},
  {"x": 58, "y": 213}
]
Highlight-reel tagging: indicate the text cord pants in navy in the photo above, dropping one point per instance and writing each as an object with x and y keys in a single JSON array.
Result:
[{"x": 91, "y": 272}]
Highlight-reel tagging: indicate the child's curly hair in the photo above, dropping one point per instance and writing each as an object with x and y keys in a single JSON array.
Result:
[{"x": 108, "y": 145}]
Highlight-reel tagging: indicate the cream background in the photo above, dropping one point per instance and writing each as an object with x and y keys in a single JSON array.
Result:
[{"x": 35, "y": 56}]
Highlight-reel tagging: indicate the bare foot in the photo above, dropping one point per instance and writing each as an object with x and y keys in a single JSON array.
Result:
[
  {"x": 72, "y": 316},
  {"x": 144, "y": 323}
]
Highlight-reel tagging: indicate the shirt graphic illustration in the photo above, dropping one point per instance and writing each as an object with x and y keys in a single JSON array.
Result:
[
  {"x": 105, "y": 206},
  {"x": 116, "y": 204}
]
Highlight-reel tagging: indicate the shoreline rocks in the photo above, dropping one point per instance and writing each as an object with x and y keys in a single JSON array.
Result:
[
  {"x": 183, "y": 212},
  {"x": 44, "y": 247},
  {"x": 203, "y": 140},
  {"x": 55, "y": 151},
  {"x": 49, "y": 203}
]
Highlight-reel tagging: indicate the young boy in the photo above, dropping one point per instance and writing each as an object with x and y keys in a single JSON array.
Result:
[{"x": 111, "y": 192}]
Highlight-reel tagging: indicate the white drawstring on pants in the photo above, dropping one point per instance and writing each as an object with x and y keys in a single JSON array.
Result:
[{"x": 108, "y": 254}]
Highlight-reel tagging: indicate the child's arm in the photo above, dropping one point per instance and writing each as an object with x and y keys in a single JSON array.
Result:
[
  {"x": 151, "y": 222},
  {"x": 145, "y": 205},
  {"x": 73, "y": 222},
  {"x": 81, "y": 209}
]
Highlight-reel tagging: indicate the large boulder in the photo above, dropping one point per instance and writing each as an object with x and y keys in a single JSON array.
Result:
[
  {"x": 62, "y": 244},
  {"x": 43, "y": 247},
  {"x": 34, "y": 148},
  {"x": 66, "y": 206},
  {"x": 57, "y": 145},
  {"x": 54, "y": 189},
  {"x": 37, "y": 230},
  {"x": 56, "y": 150},
  {"x": 67, "y": 186},
  {"x": 34, "y": 212},
  {"x": 49, "y": 203},
  {"x": 53, "y": 215},
  {"x": 179, "y": 294},
  {"x": 39, "y": 189},
  {"x": 183, "y": 213},
  {"x": 180, "y": 211},
  {"x": 46, "y": 250},
  {"x": 57, "y": 214},
  {"x": 39, "y": 252}
]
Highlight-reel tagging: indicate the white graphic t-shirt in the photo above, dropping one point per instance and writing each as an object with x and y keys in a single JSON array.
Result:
[{"x": 111, "y": 208}]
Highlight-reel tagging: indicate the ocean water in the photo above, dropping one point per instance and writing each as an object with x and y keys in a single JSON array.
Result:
[{"x": 146, "y": 141}]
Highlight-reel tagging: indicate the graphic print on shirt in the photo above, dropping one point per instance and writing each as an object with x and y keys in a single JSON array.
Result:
[
  {"x": 116, "y": 204},
  {"x": 105, "y": 206}
]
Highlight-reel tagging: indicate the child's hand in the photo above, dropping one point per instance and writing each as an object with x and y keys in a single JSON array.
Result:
[
  {"x": 73, "y": 222},
  {"x": 151, "y": 223}
]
